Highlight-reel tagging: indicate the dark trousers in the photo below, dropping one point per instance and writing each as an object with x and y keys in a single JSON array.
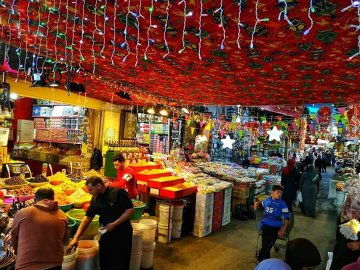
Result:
[
  {"x": 269, "y": 237},
  {"x": 115, "y": 250},
  {"x": 54, "y": 268}
]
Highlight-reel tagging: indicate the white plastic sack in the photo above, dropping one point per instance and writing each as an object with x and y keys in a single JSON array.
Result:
[{"x": 299, "y": 196}]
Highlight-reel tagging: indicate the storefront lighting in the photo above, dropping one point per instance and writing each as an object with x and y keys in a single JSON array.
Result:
[
  {"x": 150, "y": 111},
  {"x": 185, "y": 110},
  {"x": 13, "y": 96},
  {"x": 54, "y": 84},
  {"x": 163, "y": 112}
]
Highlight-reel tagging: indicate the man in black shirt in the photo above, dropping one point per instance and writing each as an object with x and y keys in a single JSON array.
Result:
[{"x": 115, "y": 209}]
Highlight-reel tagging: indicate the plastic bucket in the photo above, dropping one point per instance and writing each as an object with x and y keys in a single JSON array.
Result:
[
  {"x": 69, "y": 261},
  {"x": 165, "y": 212},
  {"x": 87, "y": 255},
  {"x": 176, "y": 229},
  {"x": 138, "y": 230},
  {"x": 178, "y": 211},
  {"x": 135, "y": 260},
  {"x": 147, "y": 257},
  {"x": 148, "y": 237},
  {"x": 163, "y": 233}
]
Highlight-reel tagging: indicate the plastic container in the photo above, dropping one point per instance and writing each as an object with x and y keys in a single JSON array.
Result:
[
  {"x": 66, "y": 207},
  {"x": 135, "y": 260},
  {"x": 178, "y": 211},
  {"x": 176, "y": 229},
  {"x": 69, "y": 261},
  {"x": 77, "y": 215},
  {"x": 148, "y": 237},
  {"x": 164, "y": 214},
  {"x": 163, "y": 233},
  {"x": 147, "y": 257},
  {"x": 139, "y": 210},
  {"x": 138, "y": 230},
  {"x": 87, "y": 255}
]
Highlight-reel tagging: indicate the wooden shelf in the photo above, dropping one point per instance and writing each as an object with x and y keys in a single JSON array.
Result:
[
  {"x": 58, "y": 129},
  {"x": 73, "y": 116}
]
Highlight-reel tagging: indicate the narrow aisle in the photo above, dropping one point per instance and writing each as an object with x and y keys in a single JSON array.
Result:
[{"x": 234, "y": 246}]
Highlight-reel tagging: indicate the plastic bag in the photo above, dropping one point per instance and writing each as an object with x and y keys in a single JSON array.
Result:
[{"x": 299, "y": 196}]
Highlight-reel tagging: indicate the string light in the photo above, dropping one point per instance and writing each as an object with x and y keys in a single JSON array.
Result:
[
  {"x": 18, "y": 50},
  {"x": 46, "y": 39},
  {"x": 165, "y": 28},
  {"x": 126, "y": 32},
  {"x": 184, "y": 27},
  {"x": 357, "y": 28},
  {"x": 104, "y": 30},
  {"x": 73, "y": 33},
  {"x": 57, "y": 34},
  {"x": 239, "y": 24},
  {"x": 256, "y": 23},
  {"x": 284, "y": 11},
  {"x": 82, "y": 34},
  {"x": 93, "y": 38},
  {"x": 311, "y": 9},
  {"x": 26, "y": 39},
  {"x": 138, "y": 36},
  {"x": 221, "y": 10},
  {"x": 114, "y": 33},
  {"x": 200, "y": 30},
  {"x": 151, "y": 9}
]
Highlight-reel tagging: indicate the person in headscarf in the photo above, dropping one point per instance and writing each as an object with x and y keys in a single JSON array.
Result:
[
  {"x": 302, "y": 254},
  {"x": 309, "y": 190},
  {"x": 347, "y": 251},
  {"x": 290, "y": 179}
]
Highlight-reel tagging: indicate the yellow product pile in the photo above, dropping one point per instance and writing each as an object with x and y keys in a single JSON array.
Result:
[
  {"x": 59, "y": 177},
  {"x": 79, "y": 197},
  {"x": 56, "y": 189},
  {"x": 69, "y": 185},
  {"x": 62, "y": 199},
  {"x": 91, "y": 173}
]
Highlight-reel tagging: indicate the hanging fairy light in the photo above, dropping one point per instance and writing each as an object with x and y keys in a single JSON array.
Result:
[
  {"x": 221, "y": 10},
  {"x": 311, "y": 9},
  {"x": 357, "y": 27},
  {"x": 284, "y": 11},
  {"x": 93, "y": 37},
  {"x": 256, "y": 23},
  {"x": 184, "y": 27},
  {"x": 114, "y": 33},
  {"x": 151, "y": 9},
  {"x": 104, "y": 30},
  {"x": 82, "y": 34},
  {"x": 126, "y": 44},
  {"x": 165, "y": 28},
  {"x": 46, "y": 40},
  {"x": 239, "y": 24},
  {"x": 200, "y": 30}
]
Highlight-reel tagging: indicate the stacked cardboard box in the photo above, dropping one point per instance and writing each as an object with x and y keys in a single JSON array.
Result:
[
  {"x": 226, "y": 218},
  {"x": 203, "y": 214}
]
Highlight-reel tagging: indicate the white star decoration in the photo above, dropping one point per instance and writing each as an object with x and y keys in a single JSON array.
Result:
[
  {"x": 274, "y": 134},
  {"x": 227, "y": 142}
]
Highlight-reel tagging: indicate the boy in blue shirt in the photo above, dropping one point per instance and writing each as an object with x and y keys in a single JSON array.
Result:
[{"x": 271, "y": 224}]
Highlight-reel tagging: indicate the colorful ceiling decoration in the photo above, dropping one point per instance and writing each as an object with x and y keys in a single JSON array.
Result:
[{"x": 193, "y": 52}]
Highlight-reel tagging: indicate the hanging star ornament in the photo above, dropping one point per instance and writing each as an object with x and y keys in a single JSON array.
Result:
[
  {"x": 274, "y": 134},
  {"x": 227, "y": 142}
]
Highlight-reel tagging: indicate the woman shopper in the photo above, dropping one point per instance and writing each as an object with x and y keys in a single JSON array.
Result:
[
  {"x": 309, "y": 190},
  {"x": 290, "y": 179}
]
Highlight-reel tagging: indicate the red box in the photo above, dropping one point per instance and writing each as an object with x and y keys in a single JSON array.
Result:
[
  {"x": 145, "y": 177},
  {"x": 165, "y": 181},
  {"x": 148, "y": 166},
  {"x": 178, "y": 191}
]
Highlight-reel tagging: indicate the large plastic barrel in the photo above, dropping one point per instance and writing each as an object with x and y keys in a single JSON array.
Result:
[
  {"x": 69, "y": 261},
  {"x": 148, "y": 237},
  {"x": 87, "y": 255},
  {"x": 166, "y": 213}
]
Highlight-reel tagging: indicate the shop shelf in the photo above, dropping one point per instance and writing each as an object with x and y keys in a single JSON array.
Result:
[{"x": 50, "y": 141}]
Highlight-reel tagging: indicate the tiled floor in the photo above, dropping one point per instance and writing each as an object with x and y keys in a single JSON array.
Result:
[{"x": 234, "y": 246}]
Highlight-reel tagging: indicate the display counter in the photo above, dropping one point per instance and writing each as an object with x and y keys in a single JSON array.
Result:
[{"x": 36, "y": 166}]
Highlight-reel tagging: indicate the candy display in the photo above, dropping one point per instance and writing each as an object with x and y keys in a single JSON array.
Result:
[
  {"x": 14, "y": 181},
  {"x": 59, "y": 177},
  {"x": 38, "y": 179}
]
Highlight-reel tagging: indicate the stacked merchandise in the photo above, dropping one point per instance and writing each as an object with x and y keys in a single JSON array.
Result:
[
  {"x": 276, "y": 164},
  {"x": 218, "y": 210},
  {"x": 227, "y": 207},
  {"x": 203, "y": 214},
  {"x": 271, "y": 180}
]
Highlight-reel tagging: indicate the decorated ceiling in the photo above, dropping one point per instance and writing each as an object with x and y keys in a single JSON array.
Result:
[{"x": 191, "y": 52}]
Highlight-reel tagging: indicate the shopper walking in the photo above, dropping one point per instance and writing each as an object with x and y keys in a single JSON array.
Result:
[
  {"x": 271, "y": 223},
  {"x": 318, "y": 164},
  {"x": 115, "y": 208},
  {"x": 309, "y": 190},
  {"x": 125, "y": 177},
  {"x": 38, "y": 234},
  {"x": 347, "y": 251},
  {"x": 290, "y": 179}
]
